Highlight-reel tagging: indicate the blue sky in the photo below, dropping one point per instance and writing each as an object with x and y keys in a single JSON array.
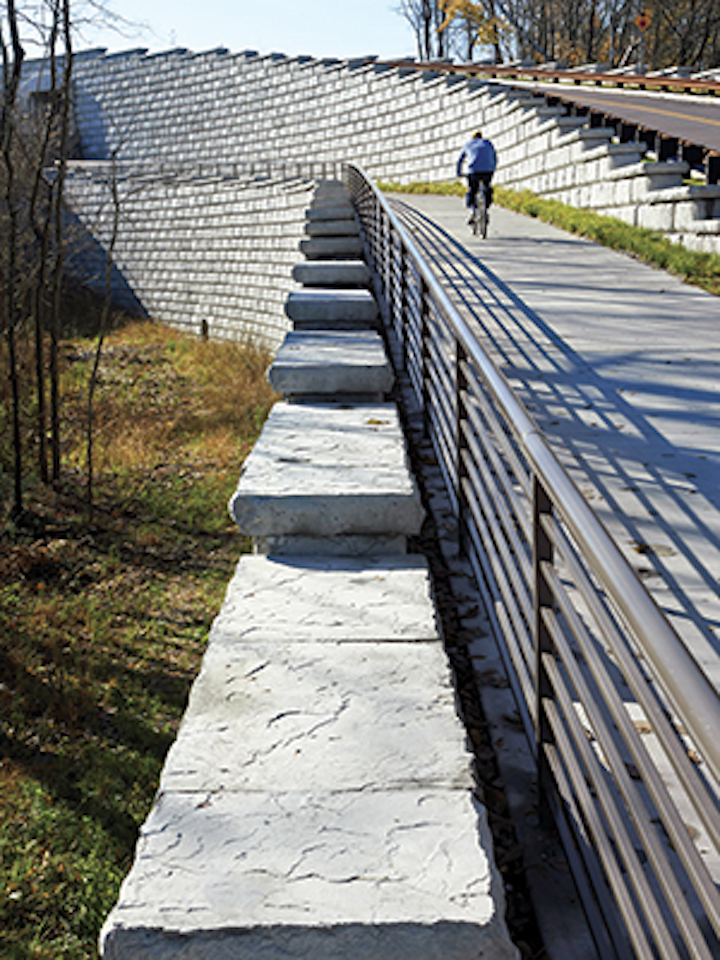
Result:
[{"x": 324, "y": 28}]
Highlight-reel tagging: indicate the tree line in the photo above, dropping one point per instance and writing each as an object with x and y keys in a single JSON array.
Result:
[{"x": 651, "y": 34}]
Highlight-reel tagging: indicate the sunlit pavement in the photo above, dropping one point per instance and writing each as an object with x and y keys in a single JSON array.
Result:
[{"x": 618, "y": 363}]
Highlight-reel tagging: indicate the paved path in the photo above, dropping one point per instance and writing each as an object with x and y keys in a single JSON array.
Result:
[{"x": 620, "y": 365}]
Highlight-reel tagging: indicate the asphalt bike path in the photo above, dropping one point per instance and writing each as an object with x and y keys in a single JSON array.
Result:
[{"x": 619, "y": 364}]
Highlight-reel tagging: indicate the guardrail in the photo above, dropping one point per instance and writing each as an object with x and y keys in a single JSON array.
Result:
[
  {"x": 624, "y": 726},
  {"x": 576, "y": 76}
]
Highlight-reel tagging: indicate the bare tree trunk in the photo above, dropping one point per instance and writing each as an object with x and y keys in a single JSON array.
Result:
[
  {"x": 11, "y": 81},
  {"x": 60, "y": 243},
  {"x": 41, "y": 221},
  {"x": 427, "y": 29}
]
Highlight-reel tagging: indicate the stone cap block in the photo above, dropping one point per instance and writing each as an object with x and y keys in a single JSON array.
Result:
[
  {"x": 339, "y": 545},
  {"x": 332, "y": 228},
  {"x": 322, "y": 470},
  {"x": 331, "y": 211},
  {"x": 260, "y": 715},
  {"x": 332, "y": 248},
  {"x": 328, "y": 273},
  {"x": 358, "y": 875},
  {"x": 337, "y": 599},
  {"x": 330, "y": 188},
  {"x": 342, "y": 362},
  {"x": 336, "y": 304},
  {"x": 325, "y": 324}
]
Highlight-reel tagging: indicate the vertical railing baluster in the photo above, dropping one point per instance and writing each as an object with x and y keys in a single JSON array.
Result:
[
  {"x": 425, "y": 355},
  {"x": 461, "y": 444},
  {"x": 387, "y": 262},
  {"x": 543, "y": 553},
  {"x": 402, "y": 329}
]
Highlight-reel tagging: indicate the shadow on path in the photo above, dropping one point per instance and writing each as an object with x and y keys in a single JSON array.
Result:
[{"x": 635, "y": 418}]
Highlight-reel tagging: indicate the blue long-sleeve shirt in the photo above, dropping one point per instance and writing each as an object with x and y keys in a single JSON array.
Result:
[{"x": 480, "y": 157}]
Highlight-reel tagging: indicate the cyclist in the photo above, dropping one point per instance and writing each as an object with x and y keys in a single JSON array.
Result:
[{"x": 481, "y": 162}]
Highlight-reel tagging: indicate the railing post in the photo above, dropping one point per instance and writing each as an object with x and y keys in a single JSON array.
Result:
[
  {"x": 543, "y": 600},
  {"x": 461, "y": 444}
]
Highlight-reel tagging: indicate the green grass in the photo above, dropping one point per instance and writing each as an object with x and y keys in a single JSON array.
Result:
[
  {"x": 103, "y": 620},
  {"x": 649, "y": 246}
]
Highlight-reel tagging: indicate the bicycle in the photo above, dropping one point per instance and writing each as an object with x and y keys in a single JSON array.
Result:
[{"x": 479, "y": 216}]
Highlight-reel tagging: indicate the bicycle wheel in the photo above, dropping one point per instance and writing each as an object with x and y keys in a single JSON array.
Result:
[
  {"x": 473, "y": 218},
  {"x": 481, "y": 217}
]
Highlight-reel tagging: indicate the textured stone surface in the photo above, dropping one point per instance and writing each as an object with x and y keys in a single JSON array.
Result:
[
  {"x": 318, "y": 799},
  {"x": 297, "y": 716},
  {"x": 315, "y": 599},
  {"x": 323, "y": 470},
  {"x": 362, "y": 875},
  {"x": 333, "y": 305},
  {"x": 327, "y": 273},
  {"x": 331, "y": 363}
]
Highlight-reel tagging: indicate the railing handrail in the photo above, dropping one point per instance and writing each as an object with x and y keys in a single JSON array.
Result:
[
  {"x": 556, "y": 74},
  {"x": 687, "y": 686}
]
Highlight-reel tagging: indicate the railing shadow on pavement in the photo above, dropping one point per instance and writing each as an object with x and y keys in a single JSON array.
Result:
[
  {"x": 638, "y": 482},
  {"x": 621, "y": 720}
]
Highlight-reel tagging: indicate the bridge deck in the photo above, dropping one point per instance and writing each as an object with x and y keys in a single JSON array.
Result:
[{"x": 618, "y": 363}]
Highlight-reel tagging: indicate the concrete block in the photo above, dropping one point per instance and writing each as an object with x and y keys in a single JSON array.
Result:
[
  {"x": 332, "y": 228},
  {"x": 332, "y": 248},
  {"x": 299, "y": 546},
  {"x": 324, "y": 273},
  {"x": 336, "y": 305},
  {"x": 324, "y": 470},
  {"x": 333, "y": 600},
  {"x": 328, "y": 192},
  {"x": 661, "y": 176},
  {"x": 358, "y": 875},
  {"x": 297, "y": 715},
  {"x": 343, "y": 362},
  {"x": 656, "y": 216},
  {"x": 335, "y": 211}
]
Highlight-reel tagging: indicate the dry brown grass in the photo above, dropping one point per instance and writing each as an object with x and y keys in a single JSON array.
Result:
[{"x": 103, "y": 620}]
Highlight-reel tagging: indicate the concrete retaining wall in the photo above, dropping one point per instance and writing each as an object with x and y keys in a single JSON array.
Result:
[
  {"x": 209, "y": 254},
  {"x": 184, "y": 114}
]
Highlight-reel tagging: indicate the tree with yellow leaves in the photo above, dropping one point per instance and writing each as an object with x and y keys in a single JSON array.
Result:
[{"x": 477, "y": 23}]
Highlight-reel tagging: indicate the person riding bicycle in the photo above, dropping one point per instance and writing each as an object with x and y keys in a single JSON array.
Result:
[{"x": 481, "y": 162}]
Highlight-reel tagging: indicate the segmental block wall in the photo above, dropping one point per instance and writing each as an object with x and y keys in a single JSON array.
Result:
[
  {"x": 209, "y": 120},
  {"x": 209, "y": 254}
]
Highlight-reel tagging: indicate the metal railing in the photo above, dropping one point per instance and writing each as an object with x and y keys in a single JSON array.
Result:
[
  {"x": 624, "y": 726},
  {"x": 576, "y": 76}
]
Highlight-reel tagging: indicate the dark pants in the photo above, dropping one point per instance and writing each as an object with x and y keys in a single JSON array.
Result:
[{"x": 474, "y": 181}]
